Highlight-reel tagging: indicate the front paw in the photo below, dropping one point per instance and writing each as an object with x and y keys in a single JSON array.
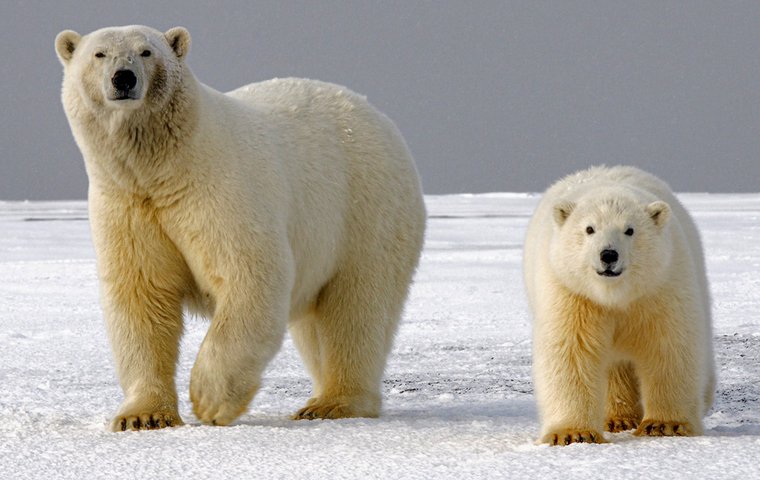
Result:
[
  {"x": 657, "y": 428},
  {"x": 218, "y": 399},
  {"x": 621, "y": 424},
  {"x": 145, "y": 421},
  {"x": 570, "y": 435}
]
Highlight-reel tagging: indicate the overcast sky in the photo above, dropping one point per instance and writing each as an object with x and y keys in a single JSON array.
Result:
[{"x": 490, "y": 96}]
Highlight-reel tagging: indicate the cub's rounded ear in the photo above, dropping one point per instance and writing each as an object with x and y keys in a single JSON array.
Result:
[
  {"x": 659, "y": 212},
  {"x": 65, "y": 44},
  {"x": 179, "y": 40},
  {"x": 562, "y": 210}
]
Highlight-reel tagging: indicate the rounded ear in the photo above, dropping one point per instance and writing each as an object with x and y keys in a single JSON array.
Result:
[
  {"x": 65, "y": 44},
  {"x": 659, "y": 212},
  {"x": 562, "y": 210},
  {"x": 179, "y": 40}
]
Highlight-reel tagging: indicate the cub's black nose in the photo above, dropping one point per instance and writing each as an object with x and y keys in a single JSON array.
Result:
[
  {"x": 609, "y": 256},
  {"x": 124, "y": 80}
]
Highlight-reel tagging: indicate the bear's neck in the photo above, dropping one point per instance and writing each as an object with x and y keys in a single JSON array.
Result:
[{"x": 135, "y": 150}]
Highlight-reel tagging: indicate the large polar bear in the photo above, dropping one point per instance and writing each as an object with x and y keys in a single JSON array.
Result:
[
  {"x": 283, "y": 204},
  {"x": 616, "y": 281}
]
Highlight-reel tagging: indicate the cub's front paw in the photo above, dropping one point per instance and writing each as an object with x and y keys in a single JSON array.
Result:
[
  {"x": 621, "y": 424},
  {"x": 145, "y": 421},
  {"x": 657, "y": 428},
  {"x": 568, "y": 436}
]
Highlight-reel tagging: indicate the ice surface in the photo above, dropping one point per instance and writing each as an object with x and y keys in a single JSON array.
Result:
[{"x": 458, "y": 392}]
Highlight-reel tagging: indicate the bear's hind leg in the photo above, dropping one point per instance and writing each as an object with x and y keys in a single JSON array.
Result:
[
  {"x": 303, "y": 331},
  {"x": 623, "y": 410},
  {"x": 357, "y": 316}
]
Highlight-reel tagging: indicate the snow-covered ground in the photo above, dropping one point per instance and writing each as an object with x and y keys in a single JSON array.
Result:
[{"x": 458, "y": 391}]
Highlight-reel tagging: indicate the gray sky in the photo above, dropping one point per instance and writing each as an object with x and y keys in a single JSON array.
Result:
[{"x": 490, "y": 96}]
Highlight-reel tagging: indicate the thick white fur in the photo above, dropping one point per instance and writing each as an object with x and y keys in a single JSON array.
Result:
[
  {"x": 625, "y": 351},
  {"x": 288, "y": 203}
]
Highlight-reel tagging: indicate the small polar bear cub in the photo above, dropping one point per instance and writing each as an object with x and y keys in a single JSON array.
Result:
[
  {"x": 616, "y": 282},
  {"x": 287, "y": 204}
]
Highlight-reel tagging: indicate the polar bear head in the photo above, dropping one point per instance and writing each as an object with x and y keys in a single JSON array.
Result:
[
  {"x": 122, "y": 68},
  {"x": 611, "y": 247}
]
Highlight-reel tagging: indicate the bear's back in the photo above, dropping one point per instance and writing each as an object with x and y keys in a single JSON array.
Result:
[{"x": 299, "y": 96}]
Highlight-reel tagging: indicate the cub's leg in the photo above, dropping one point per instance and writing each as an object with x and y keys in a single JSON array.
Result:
[
  {"x": 623, "y": 410},
  {"x": 669, "y": 368},
  {"x": 570, "y": 343}
]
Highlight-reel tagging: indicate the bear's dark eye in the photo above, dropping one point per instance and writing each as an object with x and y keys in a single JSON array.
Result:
[
  {"x": 100, "y": 55},
  {"x": 629, "y": 232},
  {"x": 590, "y": 230},
  {"x": 145, "y": 53}
]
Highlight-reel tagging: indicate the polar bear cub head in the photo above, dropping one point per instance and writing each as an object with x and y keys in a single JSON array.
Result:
[
  {"x": 122, "y": 68},
  {"x": 611, "y": 247}
]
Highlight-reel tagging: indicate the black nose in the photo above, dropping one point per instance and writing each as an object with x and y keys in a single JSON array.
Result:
[
  {"x": 124, "y": 80},
  {"x": 609, "y": 256}
]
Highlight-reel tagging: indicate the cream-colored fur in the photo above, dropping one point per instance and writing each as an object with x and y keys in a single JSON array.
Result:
[
  {"x": 617, "y": 352},
  {"x": 288, "y": 203}
]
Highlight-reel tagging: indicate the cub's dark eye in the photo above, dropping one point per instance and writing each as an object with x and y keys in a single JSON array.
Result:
[
  {"x": 100, "y": 55},
  {"x": 590, "y": 230},
  {"x": 629, "y": 232},
  {"x": 145, "y": 53}
]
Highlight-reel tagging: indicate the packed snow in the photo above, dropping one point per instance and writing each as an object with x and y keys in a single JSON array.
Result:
[{"x": 458, "y": 390}]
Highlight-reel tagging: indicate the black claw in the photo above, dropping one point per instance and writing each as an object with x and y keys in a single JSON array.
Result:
[
  {"x": 649, "y": 429},
  {"x": 123, "y": 425},
  {"x": 169, "y": 422},
  {"x": 136, "y": 424},
  {"x": 568, "y": 440}
]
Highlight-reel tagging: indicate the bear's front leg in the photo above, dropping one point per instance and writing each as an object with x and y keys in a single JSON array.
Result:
[
  {"x": 247, "y": 329},
  {"x": 143, "y": 282},
  {"x": 145, "y": 342},
  {"x": 570, "y": 361}
]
